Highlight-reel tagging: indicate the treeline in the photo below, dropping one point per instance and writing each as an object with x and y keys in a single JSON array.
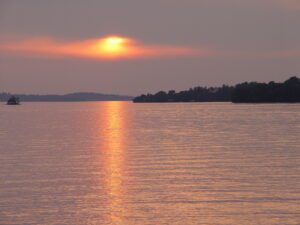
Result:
[
  {"x": 253, "y": 92},
  {"x": 196, "y": 94},
  {"x": 248, "y": 92}
]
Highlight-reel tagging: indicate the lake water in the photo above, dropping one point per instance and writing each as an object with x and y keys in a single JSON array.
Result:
[{"x": 149, "y": 164}]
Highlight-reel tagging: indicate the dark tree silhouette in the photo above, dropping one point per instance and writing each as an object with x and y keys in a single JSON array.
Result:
[
  {"x": 253, "y": 92},
  {"x": 197, "y": 94}
]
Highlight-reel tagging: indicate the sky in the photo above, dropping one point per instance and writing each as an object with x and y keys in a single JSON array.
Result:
[{"x": 139, "y": 46}]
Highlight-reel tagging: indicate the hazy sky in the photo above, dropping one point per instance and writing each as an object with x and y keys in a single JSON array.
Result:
[{"x": 47, "y": 46}]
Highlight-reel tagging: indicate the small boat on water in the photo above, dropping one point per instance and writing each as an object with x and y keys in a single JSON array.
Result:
[{"x": 13, "y": 101}]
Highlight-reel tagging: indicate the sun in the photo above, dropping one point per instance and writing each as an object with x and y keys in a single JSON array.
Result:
[{"x": 113, "y": 46}]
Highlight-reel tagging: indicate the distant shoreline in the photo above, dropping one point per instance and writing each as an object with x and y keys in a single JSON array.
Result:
[
  {"x": 72, "y": 97},
  {"x": 237, "y": 103},
  {"x": 77, "y": 101},
  {"x": 247, "y": 92}
]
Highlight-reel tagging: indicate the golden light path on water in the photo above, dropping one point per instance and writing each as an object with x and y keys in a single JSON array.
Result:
[{"x": 114, "y": 157}]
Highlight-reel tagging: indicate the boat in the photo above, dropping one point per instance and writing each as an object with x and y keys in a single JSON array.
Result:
[{"x": 13, "y": 101}]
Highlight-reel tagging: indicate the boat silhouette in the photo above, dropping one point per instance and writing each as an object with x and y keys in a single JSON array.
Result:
[{"x": 13, "y": 101}]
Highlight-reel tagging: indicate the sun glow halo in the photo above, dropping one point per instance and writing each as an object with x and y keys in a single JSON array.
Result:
[{"x": 113, "y": 46}]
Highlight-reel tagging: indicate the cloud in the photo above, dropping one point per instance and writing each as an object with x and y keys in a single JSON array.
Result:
[
  {"x": 106, "y": 48},
  {"x": 120, "y": 48}
]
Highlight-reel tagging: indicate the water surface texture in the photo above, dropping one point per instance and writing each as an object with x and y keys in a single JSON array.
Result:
[{"x": 149, "y": 164}]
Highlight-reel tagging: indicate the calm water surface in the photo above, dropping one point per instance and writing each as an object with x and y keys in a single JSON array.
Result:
[{"x": 149, "y": 164}]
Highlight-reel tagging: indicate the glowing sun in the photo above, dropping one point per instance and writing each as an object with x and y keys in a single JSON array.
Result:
[{"x": 113, "y": 46}]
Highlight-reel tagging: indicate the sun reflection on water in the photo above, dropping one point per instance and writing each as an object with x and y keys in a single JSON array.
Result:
[{"x": 114, "y": 125}]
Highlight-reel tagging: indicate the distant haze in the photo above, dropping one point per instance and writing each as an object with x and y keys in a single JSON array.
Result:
[{"x": 56, "y": 47}]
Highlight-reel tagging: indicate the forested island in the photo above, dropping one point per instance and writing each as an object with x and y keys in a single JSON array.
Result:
[
  {"x": 247, "y": 92},
  {"x": 72, "y": 97}
]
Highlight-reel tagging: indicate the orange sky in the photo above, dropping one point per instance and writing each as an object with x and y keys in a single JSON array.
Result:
[
  {"x": 113, "y": 47},
  {"x": 63, "y": 46},
  {"x": 105, "y": 48}
]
